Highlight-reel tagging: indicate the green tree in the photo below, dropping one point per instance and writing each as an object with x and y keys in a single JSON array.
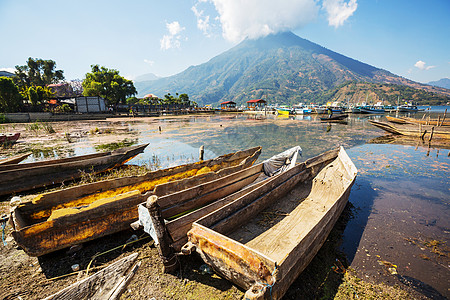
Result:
[
  {"x": 37, "y": 94},
  {"x": 184, "y": 99},
  {"x": 108, "y": 84},
  {"x": 10, "y": 98},
  {"x": 38, "y": 72}
]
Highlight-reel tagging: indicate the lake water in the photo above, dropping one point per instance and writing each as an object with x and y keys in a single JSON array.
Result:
[{"x": 400, "y": 199}]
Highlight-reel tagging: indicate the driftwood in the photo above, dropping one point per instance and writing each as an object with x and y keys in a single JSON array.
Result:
[
  {"x": 108, "y": 283},
  {"x": 265, "y": 257}
]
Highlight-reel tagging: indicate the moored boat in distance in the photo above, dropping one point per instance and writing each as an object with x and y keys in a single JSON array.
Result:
[
  {"x": 264, "y": 258},
  {"x": 338, "y": 117},
  {"x": 407, "y": 108},
  {"x": 285, "y": 110}
]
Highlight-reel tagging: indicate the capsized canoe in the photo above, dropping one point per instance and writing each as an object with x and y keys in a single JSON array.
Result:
[
  {"x": 14, "y": 159},
  {"x": 265, "y": 255},
  {"x": 23, "y": 177},
  {"x": 63, "y": 218},
  {"x": 425, "y": 132},
  {"x": 164, "y": 218}
]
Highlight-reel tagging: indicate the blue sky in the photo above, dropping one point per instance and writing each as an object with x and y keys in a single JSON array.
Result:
[{"x": 410, "y": 38}]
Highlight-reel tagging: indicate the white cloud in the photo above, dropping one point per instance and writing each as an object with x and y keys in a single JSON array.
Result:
[
  {"x": 202, "y": 21},
  {"x": 172, "y": 40},
  {"x": 422, "y": 65},
  {"x": 258, "y": 18},
  {"x": 338, "y": 11},
  {"x": 150, "y": 62}
]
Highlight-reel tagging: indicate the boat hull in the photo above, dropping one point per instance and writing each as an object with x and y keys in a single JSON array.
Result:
[
  {"x": 23, "y": 177},
  {"x": 265, "y": 259},
  {"x": 60, "y": 219}
]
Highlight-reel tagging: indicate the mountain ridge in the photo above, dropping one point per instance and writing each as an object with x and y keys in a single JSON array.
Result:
[{"x": 282, "y": 67}]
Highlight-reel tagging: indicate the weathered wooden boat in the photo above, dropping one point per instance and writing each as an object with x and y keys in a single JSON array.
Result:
[
  {"x": 410, "y": 141},
  {"x": 59, "y": 219},
  {"x": 338, "y": 117},
  {"x": 407, "y": 120},
  {"x": 427, "y": 132},
  {"x": 264, "y": 239},
  {"x": 108, "y": 283},
  {"x": 163, "y": 217},
  {"x": 10, "y": 138},
  {"x": 14, "y": 159},
  {"x": 23, "y": 177}
]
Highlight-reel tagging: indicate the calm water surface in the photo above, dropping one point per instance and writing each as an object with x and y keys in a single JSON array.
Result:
[{"x": 400, "y": 198}]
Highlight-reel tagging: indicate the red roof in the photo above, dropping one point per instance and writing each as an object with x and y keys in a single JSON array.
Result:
[
  {"x": 228, "y": 102},
  {"x": 256, "y": 101}
]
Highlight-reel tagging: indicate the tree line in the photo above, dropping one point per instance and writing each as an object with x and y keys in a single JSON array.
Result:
[{"x": 31, "y": 86}]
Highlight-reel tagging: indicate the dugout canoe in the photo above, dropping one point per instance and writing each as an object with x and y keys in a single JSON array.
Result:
[
  {"x": 164, "y": 218},
  {"x": 338, "y": 117},
  {"x": 14, "y": 159},
  {"x": 264, "y": 239},
  {"x": 425, "y": 132},
  {"x": 23, "y": 177},
  {"x": 60, "y": 219},
  {"x": 407, "y": 120}
]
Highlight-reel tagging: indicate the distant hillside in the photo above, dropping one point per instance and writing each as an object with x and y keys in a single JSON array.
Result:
[
  {"x": 281, "y": 68},
  {"x": 358, "y": 92},
  {"x": 6, "y": 74},
  {"x": 146, "y": 77},
  {"x": 443, "y": 83}
]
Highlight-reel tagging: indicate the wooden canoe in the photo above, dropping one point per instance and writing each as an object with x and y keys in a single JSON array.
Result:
[
  {"x": 162, "y": 217},
  {"x": 406, "y": 120},
  {"x": 14, "y": 159},
  {"x": 425, "y": 132},
  {"x": 67, "y": 217},
  {"x": 339, "y": 117},
  {"x": 265, "y": 255},
  {"x": 23, "y": 177},
  {"x": 410, "y": 141}
]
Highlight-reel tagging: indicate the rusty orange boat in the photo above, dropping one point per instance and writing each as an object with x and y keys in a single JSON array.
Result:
[{"x": 63, "y": 218}]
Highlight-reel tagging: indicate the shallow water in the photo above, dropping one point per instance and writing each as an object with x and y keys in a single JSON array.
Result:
[{"x": 400, "y": 197}]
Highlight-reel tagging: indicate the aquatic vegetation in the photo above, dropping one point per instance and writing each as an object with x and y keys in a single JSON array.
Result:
[{"x": 115, "y": 145}]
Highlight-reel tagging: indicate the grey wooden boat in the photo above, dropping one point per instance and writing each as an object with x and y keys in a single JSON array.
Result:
[{"x": 264, "y": 257}]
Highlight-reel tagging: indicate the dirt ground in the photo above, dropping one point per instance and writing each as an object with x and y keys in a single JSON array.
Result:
[{"x": 24, "y": 277}]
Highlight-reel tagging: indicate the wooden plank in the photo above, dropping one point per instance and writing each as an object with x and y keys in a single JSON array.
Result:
[
  {"x": 105, "y": 284},
  {"x": 209, "y": 195},
  {"x": 179, "y": 227},
  {"x": 178, "y": 197}
]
